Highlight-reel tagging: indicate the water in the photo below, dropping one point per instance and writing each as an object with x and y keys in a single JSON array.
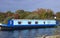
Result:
[{"x": 32, "y": 33}]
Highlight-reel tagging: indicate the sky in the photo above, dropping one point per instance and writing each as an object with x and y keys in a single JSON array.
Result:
[{"x": 29, "y": 5}]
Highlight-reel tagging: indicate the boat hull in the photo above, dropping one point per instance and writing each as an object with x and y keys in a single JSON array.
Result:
[{"x": 19, "y": 27}]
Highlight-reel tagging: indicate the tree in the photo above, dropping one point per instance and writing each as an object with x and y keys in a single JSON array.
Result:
[
  {"x": 19, "y": 11},
  {"x": 6, "y": 20},
  {"x": 44, "y": 13},
  {"x": 9, "y": 13},
  {"x": 32, "y": 16},
  {"x": 22, "y": 13},
  {"x": 16, "y": 16},
  {"x": 39, "y": 11},
  {"x": 25, "y": 14},
  {"x": 2, "y": 16},
  {"x": 58, "y": 15},
  {"x": 50, "y": 13}
]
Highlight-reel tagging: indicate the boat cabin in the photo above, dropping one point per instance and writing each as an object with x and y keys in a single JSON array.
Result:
[{"x": 30, "y": 22}]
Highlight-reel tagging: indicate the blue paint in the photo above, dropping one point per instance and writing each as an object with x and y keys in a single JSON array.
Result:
[
  {"x": 27, "y": 26},
  {"x": 38, "y": 25},
  {"x": 10, "y": 24}
]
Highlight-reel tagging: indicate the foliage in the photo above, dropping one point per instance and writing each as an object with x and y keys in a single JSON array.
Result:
[
  {"x": 32, "y": 16},
  {"x": 58, "y": 15},
  {"x": 19, "y": 11},
  {"x": 45, "y": 13},
  {"x": 22, "y": 14}
]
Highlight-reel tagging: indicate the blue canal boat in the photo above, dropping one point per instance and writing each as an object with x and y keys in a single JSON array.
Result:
[{"x": 28, "y": 23}]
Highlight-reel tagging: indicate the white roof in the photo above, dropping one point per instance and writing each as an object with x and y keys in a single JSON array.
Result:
[{"x": 34, "y": 19}]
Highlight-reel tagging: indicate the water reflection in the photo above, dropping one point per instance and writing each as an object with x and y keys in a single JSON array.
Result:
[{"x": 32, "y": 33}]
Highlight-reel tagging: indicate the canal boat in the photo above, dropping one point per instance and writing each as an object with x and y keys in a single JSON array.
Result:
[{"x": 29, "y": 23}]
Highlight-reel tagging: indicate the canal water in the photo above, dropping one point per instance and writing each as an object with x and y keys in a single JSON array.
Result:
[{"x": 31, "y": 33}]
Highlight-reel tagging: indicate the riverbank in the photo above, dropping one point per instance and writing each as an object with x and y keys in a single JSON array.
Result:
[
  {"x": 57, "y": 34},
  {"x": 53, "y": 36}
]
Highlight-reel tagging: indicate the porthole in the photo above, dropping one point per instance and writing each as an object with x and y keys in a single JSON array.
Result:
[
  {"x": 36, "y": 22},
  {"x": 19, "y": 22},
  {"x": 44, "y": 22},
  {"x": 29, "y": 22}
]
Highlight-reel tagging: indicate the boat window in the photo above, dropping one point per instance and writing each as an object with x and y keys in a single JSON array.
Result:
[
  {"x": 44, "y": 22},
  {"x": 36, "y": 22},
  {"x": 29, "y": 22},
  {"x": 19, "y": 22}
]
